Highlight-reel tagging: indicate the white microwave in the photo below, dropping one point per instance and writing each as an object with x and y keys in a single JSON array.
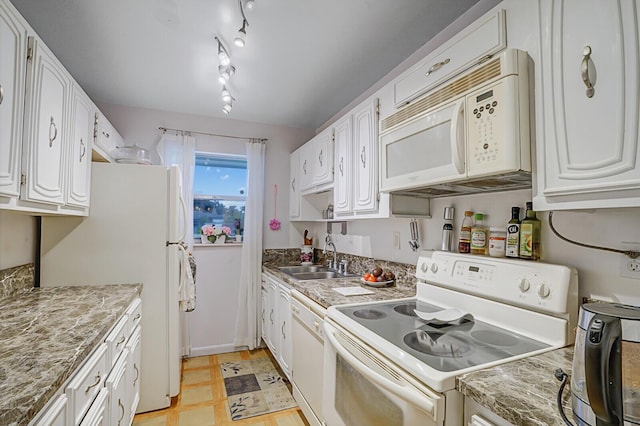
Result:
[{"x": 469, "y": 135}]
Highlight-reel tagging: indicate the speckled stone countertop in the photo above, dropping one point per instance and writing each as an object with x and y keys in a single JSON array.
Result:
[
  {"x": 321, "y": 291},
  {"x": 45, "y": 335},
  {"x": 524, "y": 391}
]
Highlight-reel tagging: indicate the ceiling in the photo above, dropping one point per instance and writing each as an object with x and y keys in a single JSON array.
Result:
[{"x": 303, "y": 62}]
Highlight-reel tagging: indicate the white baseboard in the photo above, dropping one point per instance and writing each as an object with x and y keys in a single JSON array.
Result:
[{"x": 214, "y": 350}]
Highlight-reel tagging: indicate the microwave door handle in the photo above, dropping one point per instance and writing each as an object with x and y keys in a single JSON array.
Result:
[
  {"x": 457, "y": 136},
  {"x": 419, "y": 400},
  {"x": 603, "y": 370}
]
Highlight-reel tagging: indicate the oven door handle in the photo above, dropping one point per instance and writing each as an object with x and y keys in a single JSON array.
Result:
[{"x": 417, "y": 399}]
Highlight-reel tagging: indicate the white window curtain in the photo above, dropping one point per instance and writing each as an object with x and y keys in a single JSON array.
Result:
[
  {"x": 180, "y": 150},
  {"x": 247, "y": 332}
]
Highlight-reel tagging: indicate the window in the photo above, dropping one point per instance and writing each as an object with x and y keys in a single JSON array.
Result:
[{"x": 219, "y": 191}]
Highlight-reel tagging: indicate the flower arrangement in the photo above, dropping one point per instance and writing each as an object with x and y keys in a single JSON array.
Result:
[{"x": 212, "y": 233}]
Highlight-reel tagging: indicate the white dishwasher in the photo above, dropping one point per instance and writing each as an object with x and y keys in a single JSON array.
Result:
[{"x": 308, "y": 351}]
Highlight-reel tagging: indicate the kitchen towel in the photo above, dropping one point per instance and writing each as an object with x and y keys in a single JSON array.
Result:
[{"x": 187, "y": 287}]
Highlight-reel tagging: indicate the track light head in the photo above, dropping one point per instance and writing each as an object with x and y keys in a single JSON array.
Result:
[
  {"x": 223, "y": 55},
  {"x": 241, "y": 37},
  {"x": 226, "y": 95},
  {"x": 227, "y": 106},
  {"x": 225, "y": 73}
]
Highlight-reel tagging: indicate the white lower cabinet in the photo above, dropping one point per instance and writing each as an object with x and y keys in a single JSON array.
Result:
[
  {"x": 105, "y": 390},
  {"x": 277, "y": 321},
  {"x": 264, "y": 307},
  {"x": 98, "y": 415}
]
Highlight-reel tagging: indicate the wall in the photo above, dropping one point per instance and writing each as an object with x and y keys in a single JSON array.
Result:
[
  {"x": 140, "y": 127},
  {"x": 17, "y": 239},
  {"x": 598, "y": 271}
]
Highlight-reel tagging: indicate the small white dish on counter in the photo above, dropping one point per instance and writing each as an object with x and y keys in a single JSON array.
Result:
[
  {"x": 353, "y": 291},
  {"x": 377, "y": 283}
]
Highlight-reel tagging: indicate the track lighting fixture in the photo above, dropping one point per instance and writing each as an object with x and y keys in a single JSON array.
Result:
[
  {"x": 226, "y": 95},
  {"x": 227, "y": 106},
  {"x": 223, "y": 54},
  {"x": 225, "y": 73},
  {"x": 250, "y": 4},
  {"x": 241, "y": 37}
]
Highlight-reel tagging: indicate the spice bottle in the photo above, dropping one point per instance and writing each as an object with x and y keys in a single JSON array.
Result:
[
  {"x": 479, "y": 236},
  {"x": 530, "y": 235},
  {"x": 447, "y": 230},
  {"x": 513, "y": 233},
  {"x": 464, "y": 243}
]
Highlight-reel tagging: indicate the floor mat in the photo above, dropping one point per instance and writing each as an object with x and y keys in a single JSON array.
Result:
[{"x": 255, "y": 387}]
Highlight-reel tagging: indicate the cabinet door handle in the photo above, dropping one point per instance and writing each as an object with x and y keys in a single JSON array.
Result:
[
  {"x": 83, "y": 149},
  {"x": 363, "y": 157},
  {"x": 137, "y": 317},
  {"x": 320, "y": 158},
  {"x": 282, "y": 330},
  {"x": 94, "y": 384},
  {"x": 341, "y": 166},
  {"x": 52, "y": 125},
  {"x": 304, "y": 167},
  {"x": 121, "y": 341},
  {"x": 106, "y": 135},
  {"x": 135, "y": 367},
  {"x": 436, "y": 67},
  {"x": 1, "y": 94},
  {"x": 121, "y": 408},
  {"x": 584, "y": 70},
  {"x": 293, "y": 184},
  {"x": 271, "y": 317},
  {"x": 263, "y": 315}
]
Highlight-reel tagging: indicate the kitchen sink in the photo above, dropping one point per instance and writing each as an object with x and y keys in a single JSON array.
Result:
[
  {"x": 303, "y": 269},
  {"x": 313, "y": 272}
]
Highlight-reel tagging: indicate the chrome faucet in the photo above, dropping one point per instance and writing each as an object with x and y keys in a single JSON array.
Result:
[{"x": 328, "y": 242}]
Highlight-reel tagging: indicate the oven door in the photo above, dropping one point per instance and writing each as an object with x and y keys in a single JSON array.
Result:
[
  {"x": 425, "y": 150},
  {"x": 361, "y": 388}
]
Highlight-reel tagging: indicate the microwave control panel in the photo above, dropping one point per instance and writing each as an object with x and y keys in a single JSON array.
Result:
[{"x": 492, "y": 127}]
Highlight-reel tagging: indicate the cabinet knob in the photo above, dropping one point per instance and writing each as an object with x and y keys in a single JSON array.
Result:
[{"x": 584, "y": 70}]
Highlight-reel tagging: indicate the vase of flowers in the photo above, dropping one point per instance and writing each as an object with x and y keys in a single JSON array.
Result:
[
  {"x": 222, "y": 235},
  {"x": 207, "y": 234}
]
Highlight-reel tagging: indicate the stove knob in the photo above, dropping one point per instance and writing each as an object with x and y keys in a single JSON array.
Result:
[
  {"x": 544, "y": 291},
  {"x": 434, "y": 268},
  {"x": 525, "y": 285},
  {"x": 424, "y": 267}
]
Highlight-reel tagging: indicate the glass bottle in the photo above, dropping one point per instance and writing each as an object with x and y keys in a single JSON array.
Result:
[
  {"x": 464, "y": 243},
  {"x": 530, "y": 235},
  {"x": 479, "y": 235},
  {"x": 513, "y": 234}
]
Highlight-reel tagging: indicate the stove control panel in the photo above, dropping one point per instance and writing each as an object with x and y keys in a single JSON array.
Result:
[{"x": 542, "y": 286}]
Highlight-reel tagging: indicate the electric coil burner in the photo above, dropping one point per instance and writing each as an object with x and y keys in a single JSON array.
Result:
[{"x": 508, "y": 309}]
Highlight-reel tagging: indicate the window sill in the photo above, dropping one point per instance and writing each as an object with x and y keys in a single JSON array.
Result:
[{"x": 229, "y": 244}]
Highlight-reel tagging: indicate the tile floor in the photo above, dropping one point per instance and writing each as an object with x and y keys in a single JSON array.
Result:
[{"x": 203, "y": 401}]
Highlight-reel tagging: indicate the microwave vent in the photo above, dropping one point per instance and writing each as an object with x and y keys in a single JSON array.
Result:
[
  {"x": 457, "y": 87},
  {"x": 505, "y": 182}
]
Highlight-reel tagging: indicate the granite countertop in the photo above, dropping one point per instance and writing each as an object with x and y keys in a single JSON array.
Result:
[
  {"x": 524, "y": 391},
  {"x": 45, "y": 335},
  {"x": 321, "y": 291}
]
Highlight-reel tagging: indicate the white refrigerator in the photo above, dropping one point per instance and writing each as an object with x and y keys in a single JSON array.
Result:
[{"x": 134, "y": 221}]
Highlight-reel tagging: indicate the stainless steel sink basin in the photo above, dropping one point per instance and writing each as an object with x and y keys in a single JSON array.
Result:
[
  {"x": 312, "y": 272},
  {"x": 301, "y": 269}
]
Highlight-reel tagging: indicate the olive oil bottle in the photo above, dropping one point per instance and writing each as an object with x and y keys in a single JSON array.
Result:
[
  {"x": 530, "y": 235},
  {"x": 513, "y": 234}
]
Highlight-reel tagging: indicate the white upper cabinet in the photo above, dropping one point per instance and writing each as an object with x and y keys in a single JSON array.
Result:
[
  {"x": 323, "y": 157},
  {"x": 365, "y": 142},
  {"x": 13, "y": 60},
  {"x": 343, "y": 165},
  {"x": 474, "y": 44},
  {"x": 80, "y": 145},
  {"x": 305, "y": 166},
  {"x": 588, "y": 154},
  {"x": 45, "y": 131},
  {"x": 294, "y": 184},
  {"x": 107, "y": 139}
]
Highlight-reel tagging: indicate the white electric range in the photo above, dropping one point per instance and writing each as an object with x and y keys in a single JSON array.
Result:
[{"x": 385, "y": 365}]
